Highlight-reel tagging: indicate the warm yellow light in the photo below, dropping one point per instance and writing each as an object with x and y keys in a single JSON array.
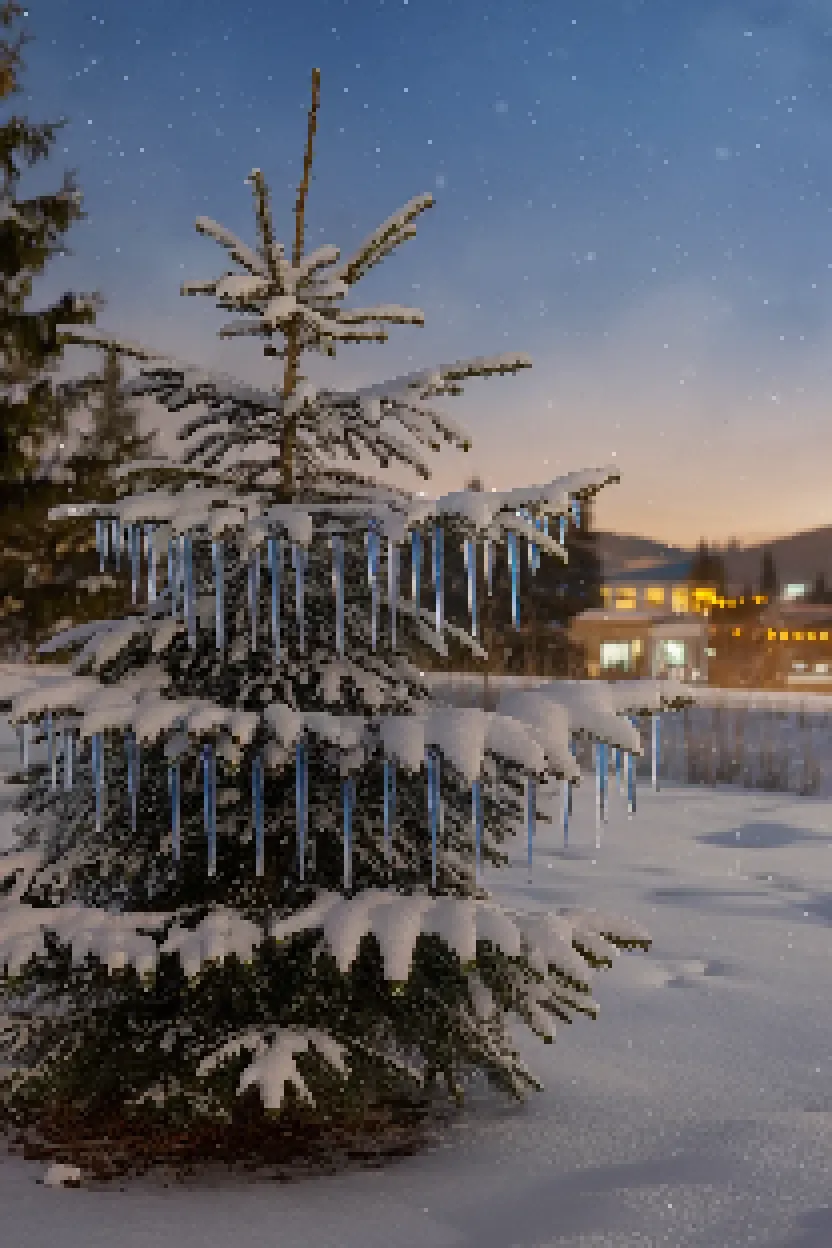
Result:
[
  {"x": 824, "y": 636},
  {"x": 772, "y": 635},
  {"x": 812, "y": 636},
  {"x": 784, "y": 636},
  {"x": 655, "y": 594},
  {"x": 797, "y": 637},
  {"x": 736, "y": 632}
]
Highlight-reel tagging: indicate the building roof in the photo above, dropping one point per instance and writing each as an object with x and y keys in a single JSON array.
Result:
[
  {"x": 796, "y": 612},
  {"x": 655, "y": 573}
]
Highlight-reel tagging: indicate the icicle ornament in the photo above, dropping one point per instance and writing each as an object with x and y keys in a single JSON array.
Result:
[
  {"x": 513, "y": 563},
  {"x": 152, "y": 574},
  {"x": 190, "y": 603},
  {"x": 299, "y": 564},
  {"x": 338, "y": 589},
  {"x": 172, "y": 576},
  {"x": 257, "y": 808},
  {"x": 439, "y": 575},
  {"x": 393, "y": 588},
  {"x": 99, "y": 543},
  {"x": 209, "y": 805},
  {"x": 416, "y": 569},
  {"x": 134, "y": 551},
  {"x": 531, "y": 817},
  {"x": 218, "y": 568},
  {"x": 471, "y": 575},
  {"x": 51, "y": 751},
  {"x": 253, "y": 593},
  {"x": 275, "y": 556},
  {"x": 656, "y": 725},
  {"x": 115, "y": 530}
]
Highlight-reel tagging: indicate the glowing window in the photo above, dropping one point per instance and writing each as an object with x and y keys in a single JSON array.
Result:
[
  {"x": 823, "y": 668},
  {"x": 615, "y": 654},
  {"x": 636, "y": 647},
  {"x": 812, "y": 636},
  {"x": 655, "y": 594},
  {"x": 672, "y": 653},
  {"x": 736, "y": 632},
  {"x": 680, "y": 599},
  {"x": 625, "y": 598},
  {"x": 784, "y": 636},
  {"x": 823, "y": 636},
  {"x": 797, "y": 637}
]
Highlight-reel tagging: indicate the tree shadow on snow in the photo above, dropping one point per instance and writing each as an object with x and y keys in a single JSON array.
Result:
[
  {"x": 814, "y": 1230},
  {"x": 759, "y": 835}
]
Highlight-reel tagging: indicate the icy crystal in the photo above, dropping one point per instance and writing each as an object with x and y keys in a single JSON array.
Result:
[{"x": 275, "y": 555}]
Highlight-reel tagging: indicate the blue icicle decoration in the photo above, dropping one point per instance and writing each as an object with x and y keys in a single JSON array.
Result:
[
  {"x": 209, "y": 804},
  {"x": 176, "y": 831},
  {"x": 531, "y": 815},
  {"x": 567, "y": 808},
  {"x": 51, "y": 751},
  {"x": 253, "y": 593},
  {"x": 190, "y": 603},
  {"x": 134, "y": 547},
  {"x": 488, "y": 557},
  {"x": 393, "y": 587},
  {"x": 99, "y": 543},
  {"x": 631, "y": 778},
  {"x": 562, "y": 538},
  {"x": 416, "y": 569},
  {"x": 25, "y": 732},
  {"x": 576, "y": 512},
  {"x": 439, "y": 576},
  {"x": 299, "y": 564},
  {"x": 275, "y": 549},
  {"x": 98, "y": 777},
  {"x": 257, "y": 807},
  {"x": 67, "y": 758},
  {"x": 301, "y": 804},
  {"x": 601, "y": 783},
  {"x": 218, "y": 567},
  {"x": 348, "y": 793},
  {"x": 373, "y": 544},
  {"x": 513, "y": 564},
  {"x": 656, "y": 749},
  {"x": 172, "y": 576},
  {"x": 471, "y": 571},
  {"x": 151, "y": 562},
  {"x": 338, "y": 589},
  {"x": 476, "y": 819},
  {"x": 115, "y": 529},
  {"x": 618, "y": 772}
]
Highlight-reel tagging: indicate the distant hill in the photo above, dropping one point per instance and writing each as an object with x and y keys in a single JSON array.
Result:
[{"x": 799, "y": 557}]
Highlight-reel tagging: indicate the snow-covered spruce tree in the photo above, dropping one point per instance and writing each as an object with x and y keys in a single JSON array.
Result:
[
  {"x": 33, "y": 411},
  {"x": 251, "y": 870}
]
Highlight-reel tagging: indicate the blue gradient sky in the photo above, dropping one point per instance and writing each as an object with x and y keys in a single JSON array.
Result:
[{"x": 636, "y": 193}]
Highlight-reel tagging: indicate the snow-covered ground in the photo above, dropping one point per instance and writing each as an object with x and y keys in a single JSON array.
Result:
[{"x": 696, "y": 1110}]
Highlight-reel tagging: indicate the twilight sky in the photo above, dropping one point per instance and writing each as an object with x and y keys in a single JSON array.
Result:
[{"x": 635, "y": 192}]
